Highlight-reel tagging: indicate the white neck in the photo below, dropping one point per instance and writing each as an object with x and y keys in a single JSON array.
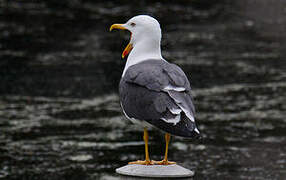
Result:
[{"x": 143, "y": 50}]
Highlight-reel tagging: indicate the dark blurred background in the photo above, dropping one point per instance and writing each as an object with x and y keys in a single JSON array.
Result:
[{"x": 59, "y": 72}]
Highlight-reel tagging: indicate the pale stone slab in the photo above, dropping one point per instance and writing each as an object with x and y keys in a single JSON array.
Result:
[{"x": 155, "y": 171}]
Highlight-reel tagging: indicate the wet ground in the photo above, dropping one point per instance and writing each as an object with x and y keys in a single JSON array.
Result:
[{"x": 60, "y": 68}]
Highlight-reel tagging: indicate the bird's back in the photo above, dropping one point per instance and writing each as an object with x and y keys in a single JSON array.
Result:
[{"x": 159, "y": 92}]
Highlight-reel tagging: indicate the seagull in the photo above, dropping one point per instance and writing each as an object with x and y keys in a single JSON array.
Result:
[{"x": 154, "y": 92}]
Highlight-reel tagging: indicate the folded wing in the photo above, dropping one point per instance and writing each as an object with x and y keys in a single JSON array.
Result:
[{"x": 159, "y": 92}]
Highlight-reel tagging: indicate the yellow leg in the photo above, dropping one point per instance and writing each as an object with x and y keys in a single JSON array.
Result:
[
  {"x": 147, "y": 158},
  {"x": 165, "y": 160}
]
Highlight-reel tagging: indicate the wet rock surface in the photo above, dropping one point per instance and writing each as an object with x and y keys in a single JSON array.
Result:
[{"x": 60, "y": 67}]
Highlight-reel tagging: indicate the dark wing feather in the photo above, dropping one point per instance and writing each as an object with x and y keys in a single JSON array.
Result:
[{"x": 143, "y": 96}]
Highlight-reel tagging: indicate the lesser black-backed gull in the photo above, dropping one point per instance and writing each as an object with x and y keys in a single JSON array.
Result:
[{"x": 153, "y": 91}]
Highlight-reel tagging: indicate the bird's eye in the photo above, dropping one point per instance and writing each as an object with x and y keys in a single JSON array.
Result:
[{"x": 132, "y": 24}]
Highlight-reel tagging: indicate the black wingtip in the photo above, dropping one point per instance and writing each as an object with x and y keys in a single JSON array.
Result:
[
  {"x": 198, "y": 137},
  {"x": 195, "y": 135}
]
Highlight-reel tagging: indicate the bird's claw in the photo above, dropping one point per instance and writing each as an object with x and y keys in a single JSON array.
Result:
[
  {"x": 164, "y": 162},
  {"x": 145, "y": 162}
]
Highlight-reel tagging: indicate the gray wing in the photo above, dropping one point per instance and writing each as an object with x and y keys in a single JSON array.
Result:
[{"x": 159, "y": 93}]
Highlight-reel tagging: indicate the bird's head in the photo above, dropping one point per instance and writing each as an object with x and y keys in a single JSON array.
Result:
[{"x": 142, "y": 28}]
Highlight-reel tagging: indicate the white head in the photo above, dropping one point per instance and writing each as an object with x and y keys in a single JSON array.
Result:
[
  {"x": 144, "y": 28},
  {"x": 145, "y": 40}
]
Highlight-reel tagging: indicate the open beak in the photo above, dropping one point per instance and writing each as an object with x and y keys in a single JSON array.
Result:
[{"x": 129, "y": 46}]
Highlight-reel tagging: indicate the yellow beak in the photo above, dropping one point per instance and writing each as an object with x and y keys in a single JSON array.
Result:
[
  {"x": 126, "y": 50},
  {"x": 129, "y": 46},
  {"x": 116, "y": 26}
]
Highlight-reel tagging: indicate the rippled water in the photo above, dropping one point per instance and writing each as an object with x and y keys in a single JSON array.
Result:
[{"x": 60, "y": 67}]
